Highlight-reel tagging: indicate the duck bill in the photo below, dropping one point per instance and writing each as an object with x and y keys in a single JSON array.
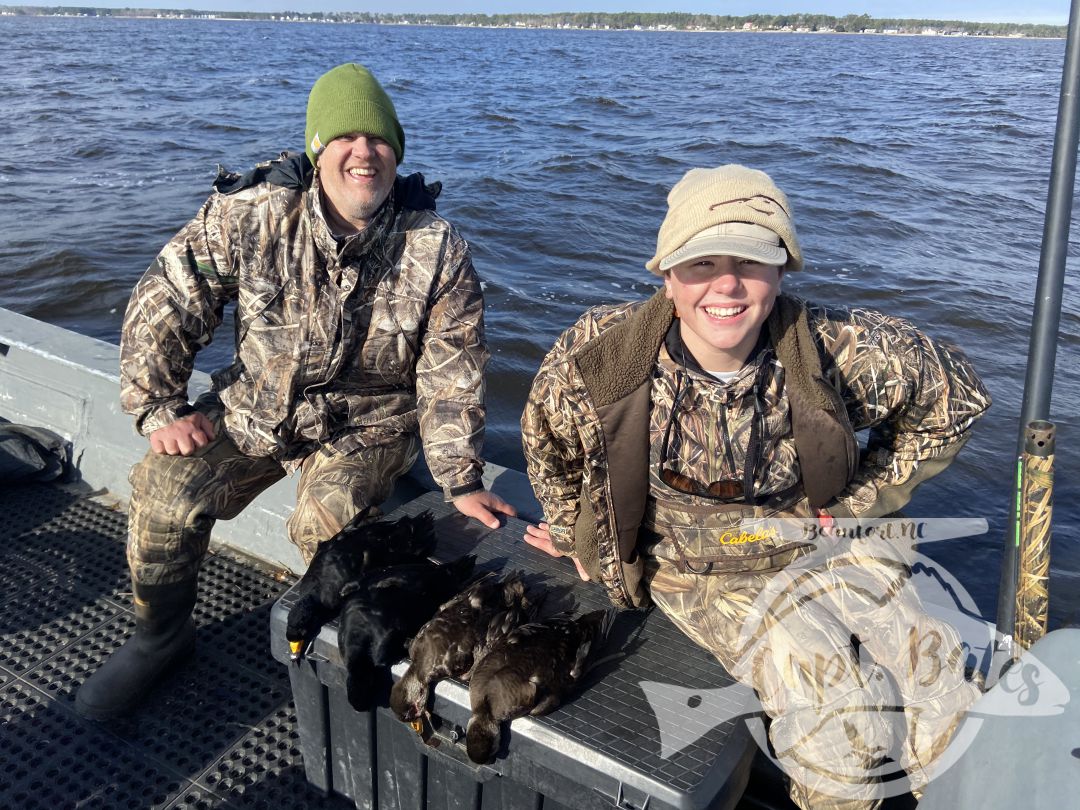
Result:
[
  {"x": 298, "y": 649},
  {"x": 423, "y": 726}
]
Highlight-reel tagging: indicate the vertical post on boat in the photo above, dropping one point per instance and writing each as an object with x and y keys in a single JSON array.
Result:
[
  {"x": 1036, "y": 512},
  {"x": 1042, "y": 349}
]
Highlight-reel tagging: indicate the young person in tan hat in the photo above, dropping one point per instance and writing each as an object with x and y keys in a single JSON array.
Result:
[
  {"x": 662, "y": 436},
  {"x": 359, "y": 337}
]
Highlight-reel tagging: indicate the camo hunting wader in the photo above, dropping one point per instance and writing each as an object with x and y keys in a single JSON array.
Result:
[
  {"x": 175, "y": 500},
  {"x": 784, "y": 624}
]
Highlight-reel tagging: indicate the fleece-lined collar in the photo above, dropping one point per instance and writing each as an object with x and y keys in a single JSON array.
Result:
[{"x": 622, "y": 359}]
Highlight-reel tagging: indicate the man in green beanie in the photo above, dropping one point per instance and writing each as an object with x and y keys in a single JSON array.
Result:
[
  {"x": 359, "y": 338},
  {"x": 348, "y": 112},
  {"x": 696, "y": 450}
]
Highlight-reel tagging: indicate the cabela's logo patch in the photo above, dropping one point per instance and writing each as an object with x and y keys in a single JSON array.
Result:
[{"x": 739, "y": 538}]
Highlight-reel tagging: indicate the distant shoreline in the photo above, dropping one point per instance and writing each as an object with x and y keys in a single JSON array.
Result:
[
  {"x": 591, "y": 21},
  {"x": 544, "y": 27}
]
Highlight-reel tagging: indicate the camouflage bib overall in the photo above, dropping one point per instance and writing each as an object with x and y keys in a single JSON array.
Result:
[{"x": 778, "y": 604}]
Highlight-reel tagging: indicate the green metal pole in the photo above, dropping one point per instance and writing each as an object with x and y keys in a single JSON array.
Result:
[{"x": 1046, "y": 318}]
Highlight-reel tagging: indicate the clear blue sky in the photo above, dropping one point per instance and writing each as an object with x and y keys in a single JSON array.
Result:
[{"x": 1035, "y": 11}]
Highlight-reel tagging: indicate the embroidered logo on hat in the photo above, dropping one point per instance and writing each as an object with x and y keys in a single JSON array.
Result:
[
  {"x": 316, "y": 144},
  {"x": 759, "y": 202}
]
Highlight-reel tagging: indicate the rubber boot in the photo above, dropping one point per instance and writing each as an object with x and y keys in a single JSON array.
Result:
[{"x": 164, "y": 638}]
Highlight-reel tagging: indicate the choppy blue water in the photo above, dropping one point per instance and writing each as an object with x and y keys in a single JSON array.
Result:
[{"x": 918, "y": 168}]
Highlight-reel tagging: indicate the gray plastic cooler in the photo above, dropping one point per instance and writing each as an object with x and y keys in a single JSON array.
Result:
[{"x": 601, "y": 750}]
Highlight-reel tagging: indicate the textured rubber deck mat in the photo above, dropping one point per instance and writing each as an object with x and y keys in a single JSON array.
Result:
[
  {"x": 28, "y": 506},
  {"x": 233, "y": 613},
  {"x": 287, "y": 790},
  {"x": 246, "y": 637},
  {"x": 68, "y": 539},
  {"x": 49, "y": 760},
  {"x": 265, "y": 769},
  {"x": 45, "y": 617},
  {"x": 61, "y": 675},
  {"x": 225, "y": 717},
  {"x": 227, "y": 587},
  {"x": 17, "y": 570},
  {"x": 206, "y": 708}
]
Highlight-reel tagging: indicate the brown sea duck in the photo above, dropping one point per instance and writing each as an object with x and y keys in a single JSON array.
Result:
[
  {"x": 531, "y": 671},
  {"x": 459, "y": 635}
]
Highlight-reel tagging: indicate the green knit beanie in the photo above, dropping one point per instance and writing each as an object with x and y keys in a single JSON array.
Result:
[{"x": 349, "y": 99}]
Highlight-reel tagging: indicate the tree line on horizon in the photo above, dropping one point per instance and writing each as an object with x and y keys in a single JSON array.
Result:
[{"x": 849, "y": 23}]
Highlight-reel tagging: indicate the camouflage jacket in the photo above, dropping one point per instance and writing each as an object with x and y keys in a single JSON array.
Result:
[
  {"x": 344, "y": 343},
  {"x": 917, "y": 398}
]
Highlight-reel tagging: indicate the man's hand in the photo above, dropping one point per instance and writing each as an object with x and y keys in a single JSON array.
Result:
[
  {"x": 184, "y": 436},
  {"x": 482, "y": 506},
  {"x": 539, "y": 537}
]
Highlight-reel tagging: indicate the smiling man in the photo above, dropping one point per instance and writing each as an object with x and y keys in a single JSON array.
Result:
[
  {"x": 664, "y": 437},
  {"x": 359, "y": 336}
]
